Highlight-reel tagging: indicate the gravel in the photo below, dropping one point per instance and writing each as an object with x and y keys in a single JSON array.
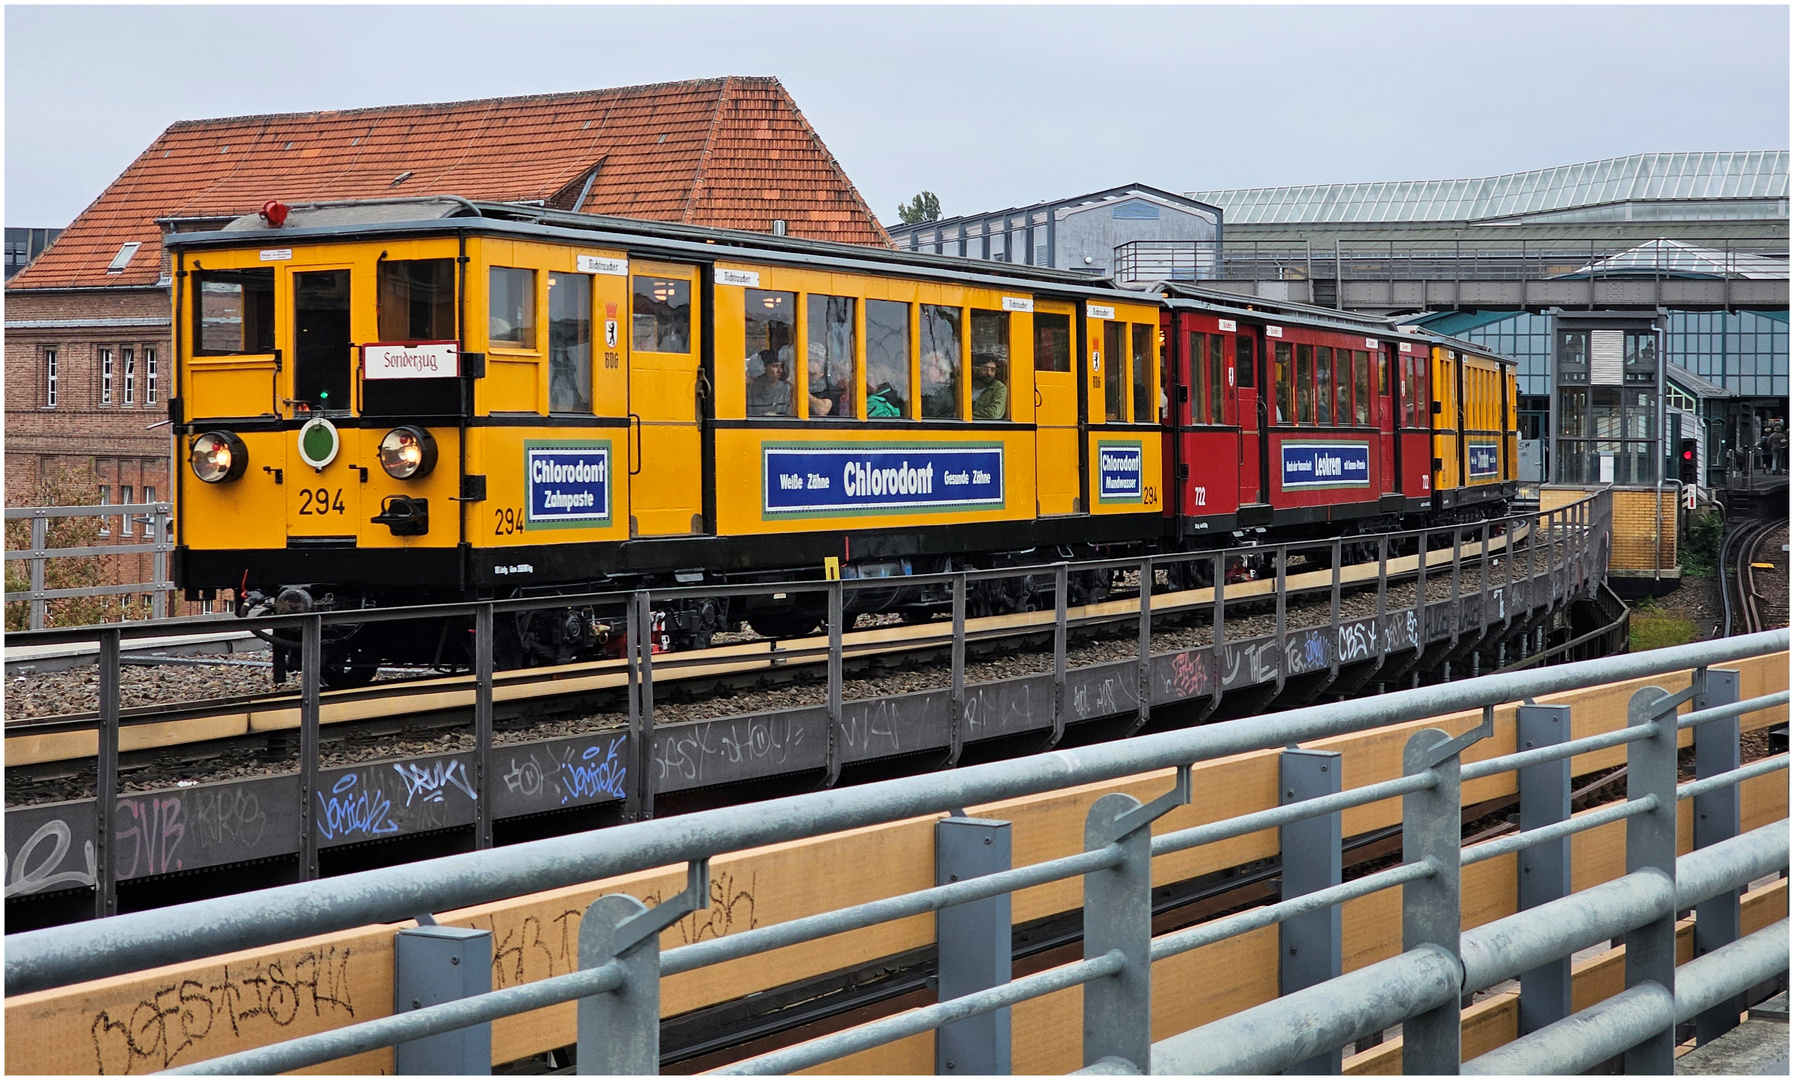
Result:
[{"x": 72, "y": 690}]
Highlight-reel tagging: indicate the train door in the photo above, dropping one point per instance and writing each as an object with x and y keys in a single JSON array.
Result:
[
  {"x": 1414, "y": 421},
  {"x": 1059, "y": 478},
  {"x": 1383, "y": 416},
  {"x": 322, "y": 484},
  {"x": 1249, "y": 409},
  {"x": 666, "y": 453}
]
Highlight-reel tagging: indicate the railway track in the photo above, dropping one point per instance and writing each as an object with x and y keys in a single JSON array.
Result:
[
  {"x": 1738, "y": 554},
  {"x": 72, "y": 737}
]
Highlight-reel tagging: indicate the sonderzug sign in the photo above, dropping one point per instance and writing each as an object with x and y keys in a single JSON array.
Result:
[
  {"x": 808, "y": 479},
  {"x": 411, "y": 360},
  {"x": 1120, "y": 471},
  {"x": 1485, "y": 460},
  {"x": 568, "y": 484},
  {"x": 1326, "y": 464}
]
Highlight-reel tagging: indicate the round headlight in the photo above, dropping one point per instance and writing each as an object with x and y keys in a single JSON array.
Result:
[
  {"x": 218, "y": 456},
  {"x": 407, "y": 453}
]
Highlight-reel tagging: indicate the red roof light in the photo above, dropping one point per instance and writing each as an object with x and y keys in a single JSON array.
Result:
[{"x": 274, "y": 213}]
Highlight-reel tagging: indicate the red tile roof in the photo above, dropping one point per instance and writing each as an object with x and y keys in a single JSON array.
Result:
[{"x": 731, "y": 152}]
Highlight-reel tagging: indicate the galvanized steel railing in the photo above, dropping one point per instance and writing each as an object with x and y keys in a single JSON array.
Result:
[
  {"x": 155, "y": 517},
  {"x": 1497, "y": 569},
  {"x": 621, "y": 964}
]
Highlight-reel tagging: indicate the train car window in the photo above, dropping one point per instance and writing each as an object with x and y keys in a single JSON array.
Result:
[
  {"x": 1286, "y": 386},
  {"x": 1114, "y": 371},
  {"x": 887, "y": 360},
  {"x": 990, "y": 365},
  {"x": 1245, "y": 370},
  {"x": 323, "y": 357},
  {"x": 417, "y": 300},
  {"x": 1361, "y": 386},
  {"x": 660, "y": 318},
  {"x": 1342, "y": 388},
  {"x": 940, "y": 362},
  {"x": 1382, "y": 363},
  {"x": 1323, "y": 384},
  {"x": 1198, "y": 372},
  {"x": 1217, "y": 379},
  {"x": 770, "y": 321},
  {"x": 830, "y": 349},
  {"x": 512, "y": 308},
  {"x": 1143, "y": 403},
  {"x": 1052, "y": 342},
  {"x": 570, "y": 343},
  {"x": 233, "y": 312}
]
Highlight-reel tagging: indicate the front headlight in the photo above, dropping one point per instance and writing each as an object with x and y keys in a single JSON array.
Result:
[
  {"x": 218, "y": 456},
  {"x": 408, "y": 453}
]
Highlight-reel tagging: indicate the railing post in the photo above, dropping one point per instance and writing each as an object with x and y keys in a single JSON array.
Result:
[
  {"x": 1651, "y": 844},
  {"x": 1544, "y": 868},
  {"x": 1420, "y": 628},
  {"x": 1431, "y": 912},
  {"x": 1282, "y": 625},
  {"x": 837, "y": 740},
  {"x": 106, "y": 780},
  {"x": 159, "y": 564},
  {"x": 40, "y": 536},
  {"x": 1143, "y": 708},
  {"x": 311, "y": 682},
  {"x": 1382, "y": 635},
  {"x": 1061, "y": 630},
  {"x": 1716, "y": 750},
  {"x": 1118, "y": 916},
  {"x": 1308, "y": 946},
  {"x": 1333, "y": 597},
  {"x": 433, "y": 965},
  {"x": 641, "y": 754},
  {"x": 644, "y": 615},
  {"x": 974, "y": 946},
  {"x": 482, "y": 725},
  {"x": 957, "y": 693},
  {"x": 619, "y": 1031},
  {"x": 1218, "y": 629},
  {"x": 1457, "y": 577}
]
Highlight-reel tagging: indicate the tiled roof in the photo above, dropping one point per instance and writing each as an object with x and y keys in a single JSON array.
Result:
[{"x": 731, "y": 152}]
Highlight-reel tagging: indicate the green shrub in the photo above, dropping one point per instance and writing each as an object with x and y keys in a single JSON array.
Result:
[
  {"x": 1700, "y": 544},
  {"x": 1652, "y": 631}
]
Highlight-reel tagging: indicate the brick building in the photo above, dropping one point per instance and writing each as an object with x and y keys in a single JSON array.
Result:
[{"x": 88, "y": 360}]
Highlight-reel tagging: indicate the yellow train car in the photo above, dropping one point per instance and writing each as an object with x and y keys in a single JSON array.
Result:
[
  {"x": 1475, "y": 440},
  {"x": 400, "y": 402}
]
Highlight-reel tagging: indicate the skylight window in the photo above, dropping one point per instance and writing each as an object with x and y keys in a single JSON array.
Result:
[{"x": 123, "y": 258}]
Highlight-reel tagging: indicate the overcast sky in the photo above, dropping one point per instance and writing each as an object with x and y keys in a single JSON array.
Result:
[{"x": 988, "y": 107}]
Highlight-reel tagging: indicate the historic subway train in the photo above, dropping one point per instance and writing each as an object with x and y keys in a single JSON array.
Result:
[{"x": 400, "y": 402}]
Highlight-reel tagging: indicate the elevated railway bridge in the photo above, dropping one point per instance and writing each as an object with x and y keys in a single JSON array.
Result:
[{"x": 1274, "y": 891}]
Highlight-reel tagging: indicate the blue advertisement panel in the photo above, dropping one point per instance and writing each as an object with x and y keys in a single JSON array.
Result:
[
  {"x": 1485, "y": 461},
  {"x": 1325, "y": 464},
  {"x": 800, "y": 479},
  {"x": 569, "y": 484},
  {"x": 1120, "y": 472}
]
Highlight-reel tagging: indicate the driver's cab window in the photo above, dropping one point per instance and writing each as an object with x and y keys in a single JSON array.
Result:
[
  {"x": 233, "y": 312},
  {"x": 512, "y": 309}
]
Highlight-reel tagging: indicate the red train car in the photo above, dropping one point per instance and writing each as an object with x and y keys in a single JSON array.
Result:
[{"x": 1293, "y": 422}]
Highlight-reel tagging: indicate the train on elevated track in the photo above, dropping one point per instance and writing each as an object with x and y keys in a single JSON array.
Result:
[{"x": 414, "y": 401}]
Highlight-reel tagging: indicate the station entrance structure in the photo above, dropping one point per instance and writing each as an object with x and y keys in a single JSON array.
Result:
[{"x": 334, "y": 972}]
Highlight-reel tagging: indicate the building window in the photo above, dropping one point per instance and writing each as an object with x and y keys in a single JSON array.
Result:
[
  {"x": 124, "y": 499},
  {"x": 129, "y": 356},
  {"x": 149, "y": 376},
  {"x": 105, "y": 376},
  {"x": 49, "y": 378},
  {"x": 149, "y": 529},
  {"x": 105, "y": 500}
]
